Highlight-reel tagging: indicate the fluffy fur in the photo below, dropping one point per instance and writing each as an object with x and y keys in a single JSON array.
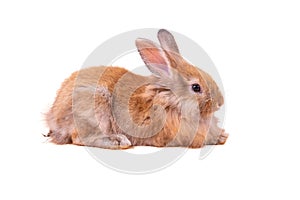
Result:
[{"x": 110, "y": 107}]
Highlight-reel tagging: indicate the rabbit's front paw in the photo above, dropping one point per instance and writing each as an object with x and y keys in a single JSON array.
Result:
[{"x": 223, "y": 137}]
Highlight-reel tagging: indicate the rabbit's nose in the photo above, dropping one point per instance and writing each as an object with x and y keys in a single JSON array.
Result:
[
  {"x": 221, "y": 101},
  {"x": 219, "y": 105}
]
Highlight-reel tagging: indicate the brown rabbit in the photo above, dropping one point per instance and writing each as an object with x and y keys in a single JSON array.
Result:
[{"x": 110, "y": 107}]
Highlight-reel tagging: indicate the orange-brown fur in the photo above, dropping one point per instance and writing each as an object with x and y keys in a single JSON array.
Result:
[{"x": 88, "y": 104}]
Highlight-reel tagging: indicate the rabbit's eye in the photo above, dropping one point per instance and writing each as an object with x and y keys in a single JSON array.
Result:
[{"x": 196, "y": 87}]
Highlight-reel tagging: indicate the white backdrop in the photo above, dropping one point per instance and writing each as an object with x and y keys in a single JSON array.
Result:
[{"x": 255, "y": 46}]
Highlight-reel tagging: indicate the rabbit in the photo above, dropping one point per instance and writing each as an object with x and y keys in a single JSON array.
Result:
[{"x": 113, "y": 108}]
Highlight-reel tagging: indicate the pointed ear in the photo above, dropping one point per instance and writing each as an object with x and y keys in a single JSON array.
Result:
[
  {"x": 167, "y": 41},
  {"x": 154, "y": 57}
]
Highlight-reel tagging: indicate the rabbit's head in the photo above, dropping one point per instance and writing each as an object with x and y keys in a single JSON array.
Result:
[{"x": 178, "y": 80}]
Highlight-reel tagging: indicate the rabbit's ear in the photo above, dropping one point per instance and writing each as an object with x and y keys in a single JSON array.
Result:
[
  {"x": 154, "y": 57},
  {"x": 167, "y": 41}
]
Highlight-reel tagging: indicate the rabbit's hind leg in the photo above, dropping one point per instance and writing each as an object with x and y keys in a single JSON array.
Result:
[{"x": 95, "y": 126}]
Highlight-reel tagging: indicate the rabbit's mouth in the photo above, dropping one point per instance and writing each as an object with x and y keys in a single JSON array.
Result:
[{"x": 209, "y": 107}]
